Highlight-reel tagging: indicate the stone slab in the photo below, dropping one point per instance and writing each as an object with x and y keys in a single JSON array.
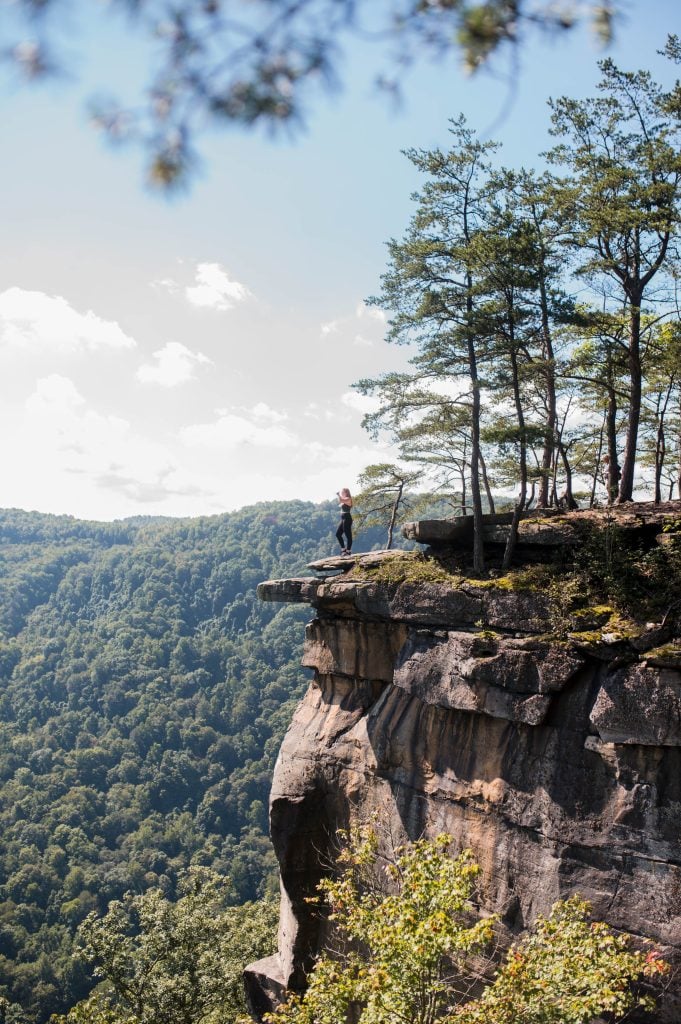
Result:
[
  {"x": 639, "y": 705},
  {"x": 343, "y": 563},
  {"x": 289, "y": 591}
]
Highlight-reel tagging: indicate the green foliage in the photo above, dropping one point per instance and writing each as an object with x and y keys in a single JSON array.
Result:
[
  {"x": 513, "y": 383},
  {"x": 164, "y": 962},
  {"x": 607, "y": 580},
  {"x": 398, "y": 949},
  {"x": 144, "y": 693},
  {"x": 622, "y": 151},
  {"x": 382, "y": 496},
  {"x": 568, "y": 971},
  {"x": 640, "y": 581},
  {"x": 404, "y": 943}
]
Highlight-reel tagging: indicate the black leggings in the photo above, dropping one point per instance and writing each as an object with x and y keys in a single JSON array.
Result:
[{"x": 345, "y": 527}]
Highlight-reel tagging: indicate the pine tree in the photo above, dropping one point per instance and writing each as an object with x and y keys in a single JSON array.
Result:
[
  {"x": 429, "y": 289},
  {"x": 623, "y": 151}
]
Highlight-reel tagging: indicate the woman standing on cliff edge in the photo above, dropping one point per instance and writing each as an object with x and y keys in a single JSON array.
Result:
[{"x": 345, "y": 525}]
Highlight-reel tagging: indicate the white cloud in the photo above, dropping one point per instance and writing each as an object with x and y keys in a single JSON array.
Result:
[
  {"x": 59, "y": 412},
  {"x": 333, "y": 455},
  {"x": 54, "y": 394},
  {"x": 166, "y": 284},
  {"x": 315, "y": 411},
  {"x": 174, "y": 364},
  {"x": 157, "y": 485},
  {"x": 214, "y": 289},
  {"x": 30, "y": 319},
  {"x": 576, "y": 415},
  {"x": 231, "y": 431},
  {"x": 262, "y": 411},
  {"x": 96, "y": 462},
  {"x": 370, "y": 313},
  {"x": 73, "y": 457},
  {"x": 359, "y": 403},
  {"x": 367, "y": 318},
  {"x": 330, "y": 466}
]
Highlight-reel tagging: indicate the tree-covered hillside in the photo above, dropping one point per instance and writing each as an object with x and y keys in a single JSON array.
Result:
[{"x": 144, "y": 692}]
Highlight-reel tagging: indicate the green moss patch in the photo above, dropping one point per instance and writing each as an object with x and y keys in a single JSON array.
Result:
[
  {"x": 668, "y": 655},
  {"x": 532, "y": 578},
  {"x": 412, "y": 567}
]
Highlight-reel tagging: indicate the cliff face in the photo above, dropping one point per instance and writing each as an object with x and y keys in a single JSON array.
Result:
[{"x": 438, "y": 705}]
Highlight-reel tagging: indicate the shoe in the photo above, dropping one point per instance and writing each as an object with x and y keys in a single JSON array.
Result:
[{"x": 346, "y": 552}]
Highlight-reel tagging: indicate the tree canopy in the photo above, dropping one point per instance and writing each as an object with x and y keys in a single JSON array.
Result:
[
  {"x": 542, "y": 311},
  {"x": 144, "y": 693},
  {"x": 173, "y": 962}
]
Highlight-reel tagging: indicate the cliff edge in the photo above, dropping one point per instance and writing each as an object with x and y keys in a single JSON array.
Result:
[{"x": 536, "y": 722}]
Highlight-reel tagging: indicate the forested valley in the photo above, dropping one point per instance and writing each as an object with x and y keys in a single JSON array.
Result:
[{"x": 144, "y": 694}]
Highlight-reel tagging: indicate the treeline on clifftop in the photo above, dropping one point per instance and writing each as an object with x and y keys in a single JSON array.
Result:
[
  {"x": 542, "y": 309},
  {"x": 144, "y": 693}
]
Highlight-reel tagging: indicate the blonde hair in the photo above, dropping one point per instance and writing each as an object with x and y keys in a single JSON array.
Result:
[{"x": 345, "y": 492}]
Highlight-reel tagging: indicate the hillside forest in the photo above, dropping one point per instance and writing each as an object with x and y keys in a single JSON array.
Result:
[{"x": 144, "y": 693}]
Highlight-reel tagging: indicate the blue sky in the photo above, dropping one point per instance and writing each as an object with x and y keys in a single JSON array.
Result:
[{"x": 191, "y": 355}]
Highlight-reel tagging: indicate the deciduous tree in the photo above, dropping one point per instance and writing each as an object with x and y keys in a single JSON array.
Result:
[
  {"x": 404, "y": 936},
  {"x": 400, "y": 941},
  {"x": 163, "y": 962}
]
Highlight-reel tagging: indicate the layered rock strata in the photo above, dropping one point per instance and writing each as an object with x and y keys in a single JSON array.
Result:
[{"x": 468, "y": 707}]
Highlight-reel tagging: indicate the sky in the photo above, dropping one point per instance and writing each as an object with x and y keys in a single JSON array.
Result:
[{"x": 190, "y": 355}]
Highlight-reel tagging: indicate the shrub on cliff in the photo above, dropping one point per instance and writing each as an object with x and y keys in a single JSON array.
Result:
[{"x": 404, "y": 955}]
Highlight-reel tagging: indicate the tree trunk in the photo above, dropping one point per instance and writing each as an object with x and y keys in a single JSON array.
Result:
[
  {"x": 554, "y": 481},
  {"x": 488, "y": 489},
  {"x": 592, "y": 496},
  {"x": 393, "y": 515},
  {"x": 551, "y": 402},
  {"x": 569, "y": 496},
  {"x": 678, "y": 454},
  {"x": 659, "y": 461},
  {"x": 660, "y": 442},
  {"x": 476, "y": 497},
  {"x": 530, "y": 499},
  {"x": 611, "y": 435},
  {"x": 520, "y": 504},
  {"x": 626, "y": 489}
]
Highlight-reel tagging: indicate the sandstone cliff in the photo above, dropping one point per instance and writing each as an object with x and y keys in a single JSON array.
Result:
[{"x": 541, "y": 730}]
